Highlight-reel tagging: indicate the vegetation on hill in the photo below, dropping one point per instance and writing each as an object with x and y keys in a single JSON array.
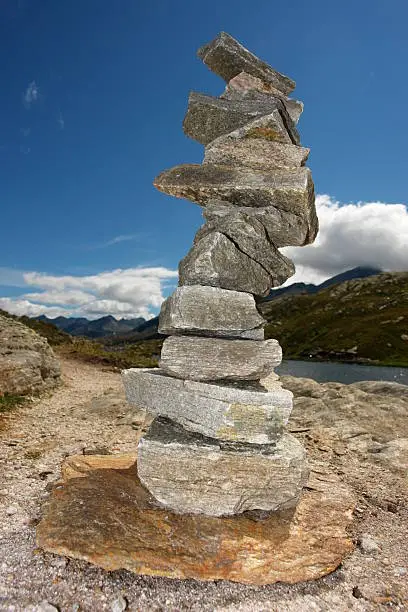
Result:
[
  {"x": 143, "y": 354},
  {"x": 363, "y": 320},
  {"x": 54, "y": 335}
]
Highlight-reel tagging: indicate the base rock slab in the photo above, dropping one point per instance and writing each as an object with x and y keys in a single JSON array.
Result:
[{"x": 102, "y": 514}]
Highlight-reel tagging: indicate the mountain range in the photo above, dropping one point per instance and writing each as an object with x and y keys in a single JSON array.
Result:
[
  {"x": 115, "y": 331},
  {"x": 98, "y": 328}
]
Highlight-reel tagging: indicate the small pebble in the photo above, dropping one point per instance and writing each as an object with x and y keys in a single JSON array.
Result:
[
  {"x": 45, "y": 606},
  {"x": 11, "y": 510},
  {"x": 400, "y": 571},
  {"x": 368, "y": 544},
  {"x": 119, "y": 605}
]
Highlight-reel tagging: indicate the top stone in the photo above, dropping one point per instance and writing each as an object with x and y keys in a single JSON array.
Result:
[{"x": 227, "y": 57}]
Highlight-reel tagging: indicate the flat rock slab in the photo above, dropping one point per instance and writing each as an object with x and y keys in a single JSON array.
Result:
[
  {"x": 227, "y": 57},
  {"x": 211, "y": 311},
  {"x": 208, "y": 118},
  {"x": 200, "y": 358},
  {"x": 257, "y": 153},
  {"x": 290, "y": 190},
  {"x": 254, "y": 414},
  {"x": 246, "y": 85},
  {"x": 102, "y": 514}
]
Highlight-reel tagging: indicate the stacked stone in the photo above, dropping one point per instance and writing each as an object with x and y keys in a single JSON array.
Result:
[{"x": 218, "y": 444}]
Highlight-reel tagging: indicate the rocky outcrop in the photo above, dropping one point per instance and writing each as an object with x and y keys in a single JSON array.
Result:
[
  {"x": 218, "y": 445},
  {"x": 27, "y": 362}
]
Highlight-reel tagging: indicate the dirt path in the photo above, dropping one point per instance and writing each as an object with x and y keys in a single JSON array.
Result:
[{"x": 89, "y": 414}]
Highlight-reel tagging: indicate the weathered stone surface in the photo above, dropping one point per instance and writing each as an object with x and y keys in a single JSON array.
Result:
[
  {"x": 254, "y": 415},
  {"x": 193, "y": 474},
  {"x": 283, "y": 228},
  {"x": 290, "y": 190},
  {"x": 108, "y": 518},
  {"x": 227, "y": 57},
  {"x": 250, "y": 237},
  {"x": 202, "y": 358},
  {"x": 27, "y": 362},
  {"x": 211, "y": 311},
  {"x": 215, "y": 261},
  {"x": 208, "y": 118},
  {"x": 246, "y": 85},
  {"x": 256, "y": 153}
]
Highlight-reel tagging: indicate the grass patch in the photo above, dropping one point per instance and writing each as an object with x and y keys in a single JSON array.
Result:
[
  {"x": 10, "y": 402},
  {"x": 143, "y": 354}
]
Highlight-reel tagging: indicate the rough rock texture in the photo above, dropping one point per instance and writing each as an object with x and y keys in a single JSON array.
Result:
[
  {"x": 256, "y": 153},
  {"x": 216, "y": 261},
  {"x": 244, "y": 85},
  {"x": 190, "y": 473},
  {"x": 252, "y": 415},
  {"x": 199, "y": 358},
  {"x": 102, "y": 514},
  {"x": 290, "y": 190},
  {"x": 227, "y": 57},
  {"x": 283, "y": 228},
  {"x": 27, "y": 362},
  {"x": 211, "y": 311},
  {"x": 250, "y": 237},
  {"x": 208, "y": 118}
]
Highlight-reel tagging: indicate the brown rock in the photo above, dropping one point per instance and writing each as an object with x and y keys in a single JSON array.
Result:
[
  {"x": 227, "y": 57},
  {"x": 27, "y": 362},
  {"x": 256, "y": 153},
  {"x": 244, "y": 85},
  {"x": 107, "y": 518}
]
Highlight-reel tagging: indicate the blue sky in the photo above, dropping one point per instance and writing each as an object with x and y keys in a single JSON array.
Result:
[{"x": 92, "y": 101}]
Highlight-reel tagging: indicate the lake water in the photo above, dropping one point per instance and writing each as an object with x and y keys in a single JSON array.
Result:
[{"x": 341, "y": 372}]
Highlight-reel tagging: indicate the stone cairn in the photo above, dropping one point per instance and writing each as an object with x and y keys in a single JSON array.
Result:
[{"x": 218, "y": 444}]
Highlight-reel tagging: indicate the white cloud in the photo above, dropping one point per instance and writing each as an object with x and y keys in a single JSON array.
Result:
[
  {"x": 31, "y": 94},
  {"x": 116, "y": 240},
  {"x": 364, "y": 234},
  {"x": 128, "y": 293},
  {"x": 61, "y": 121}
]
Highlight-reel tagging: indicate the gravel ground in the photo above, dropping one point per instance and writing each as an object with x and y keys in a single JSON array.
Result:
[{"x": 88, "y": 414}]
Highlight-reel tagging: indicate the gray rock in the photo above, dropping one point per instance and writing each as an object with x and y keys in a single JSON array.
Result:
[
  {"x": 119, "y": 604},
  {"x": 368, "y": 544},
  {"x": 211, "y": 311},
  {"x": 256, "y": 153},
  {"x": 245, "y": 85},
  {"x": 227, "y": 57},
  {"x": 208, "y": 118},
  {"x": 27, "y": 362},
  {"x": 199, "y": 358},
  {"x": 215, "y": 261},
  {"x": 250, "y": 237},
  {"x": 254, "y": 414},
  {"x": 193, "y": 474},
  {"x": 283, "y": 228},
  {"x": 290, "y": 190}
]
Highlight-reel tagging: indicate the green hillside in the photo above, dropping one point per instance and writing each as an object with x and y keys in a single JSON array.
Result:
[{"x": 363, "y": 320}]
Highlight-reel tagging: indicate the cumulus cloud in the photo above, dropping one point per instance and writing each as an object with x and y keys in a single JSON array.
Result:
[
  {"x": 371, "y": 234},
  {"x": 31, "y": 94},
  {"x": 133, "y": 292}
]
